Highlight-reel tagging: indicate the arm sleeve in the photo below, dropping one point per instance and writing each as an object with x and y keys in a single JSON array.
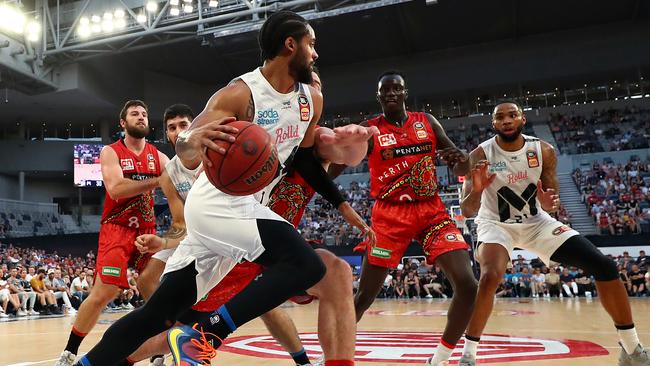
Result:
[{"x": 310, "y": 168}]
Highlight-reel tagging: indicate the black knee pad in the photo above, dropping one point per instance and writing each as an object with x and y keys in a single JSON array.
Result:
[{"x": 579, "y": 252}]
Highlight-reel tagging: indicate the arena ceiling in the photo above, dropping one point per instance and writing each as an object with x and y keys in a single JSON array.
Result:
[{"x": 397, "y": 31}]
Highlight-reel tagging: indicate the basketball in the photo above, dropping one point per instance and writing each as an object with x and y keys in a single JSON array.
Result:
[{"x": 250, "y": 163}]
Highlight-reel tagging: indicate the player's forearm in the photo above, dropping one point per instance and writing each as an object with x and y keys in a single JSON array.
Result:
[
  {"x": 461, "y": 168},
  {"x": 129, "y": 188},
  {"x": 345, "y": 155},
  {"x": 470, "y": 205},
  {"x": 174, "y": 236},
  {"x": 190, "y": 156}
]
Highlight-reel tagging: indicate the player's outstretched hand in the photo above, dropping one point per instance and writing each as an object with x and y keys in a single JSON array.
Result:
[
  {"x": 348, "y": 135},
  {"x": 353, "y": 218},
  {"x": 549, "y": 200},
  {"x": 480, "y": 177},
  {"x": 452, "y": 155},
  {"x": 149, "y": 243},
  {"x": 201, "y": 138}
]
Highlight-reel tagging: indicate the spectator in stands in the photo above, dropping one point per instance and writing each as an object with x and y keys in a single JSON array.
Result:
[
  {"x": 538, "y": 286},
  {"x": 505, "y": 289},
  {"x": 80, "y": 287},
  {"x": 637, "y": 277},
  {"x": 54, "y": 283},
  {"x": 625, "y": 278},
  {"x": 412, "y": 285},
  {"x": 388, "y": 290},
  {"x": 16, "y": 287},
  {"x": 431, "y": 282},
  {"x": 399, "y": 287},
  {"x": 7, "y": 297},
  {"x": 586, "y": 285},
  {"x": 45, "y": 296},
  {"x": 524, "y": 283},
  {"x": 552, "y": 280},
  {"x": 519, "y": 264},
  {"x": 642, "y": 260},
  {"x": 569, "y": 284}
]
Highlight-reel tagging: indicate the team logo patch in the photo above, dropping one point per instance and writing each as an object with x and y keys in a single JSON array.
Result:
[
  {"x": 560, "y": 230},
  {"x": 302, "y": 100},
  {"x": 531, "y": 155},
  {"x": 403, "y": 347},
  {"x": 387, "y": 140},
  {"x": 454, "y": 237},
  {"x": 111, "y": 271},
  {"x": 420, "y": 131},
  {"x": 127, "y": 164},
  {"x": 152, "y": 165},
  {"x": 150, "y": 157},
  {"x": 304, "y": 114},
  {"x": 380, "y": 252}
]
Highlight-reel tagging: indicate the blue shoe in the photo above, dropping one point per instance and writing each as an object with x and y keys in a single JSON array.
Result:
[{"x": 189, "y": 346}]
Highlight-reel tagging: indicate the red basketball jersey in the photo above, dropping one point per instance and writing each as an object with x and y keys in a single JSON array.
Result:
[
  {"x": 290, "y": 197},
  {"x": 402, "y": 161},
  {"x": 137, "y": 211}
]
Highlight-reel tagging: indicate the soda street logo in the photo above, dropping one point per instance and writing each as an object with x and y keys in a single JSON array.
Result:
[
  {"x": 267, "y": 117},
  {"x": 403, "y": 347}
]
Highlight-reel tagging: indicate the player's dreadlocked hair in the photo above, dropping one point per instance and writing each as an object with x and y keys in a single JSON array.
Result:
[{"x": 276, "y": 29}]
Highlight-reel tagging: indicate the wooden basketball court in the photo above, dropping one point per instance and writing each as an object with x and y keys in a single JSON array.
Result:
[{"x": 522, "y": 332}]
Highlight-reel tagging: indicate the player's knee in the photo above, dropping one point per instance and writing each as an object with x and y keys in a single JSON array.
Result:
[
  {"x": 490, "y": 277},
  {"x": 311, "y": 270},
  {"x": 604, "y": 269}
]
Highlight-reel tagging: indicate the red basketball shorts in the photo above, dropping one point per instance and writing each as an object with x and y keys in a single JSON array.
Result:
[
  {"x": 116, "y": 252},
  {"x": 396, "y": 224},
  {"x": 235, "y": 281}
]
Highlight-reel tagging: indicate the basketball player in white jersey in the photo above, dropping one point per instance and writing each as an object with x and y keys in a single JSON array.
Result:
[
  {"x": 223, "y": 230},
  {"x": 513, "y": 186}
]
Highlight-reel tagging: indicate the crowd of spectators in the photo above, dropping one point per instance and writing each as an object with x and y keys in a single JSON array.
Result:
[
  {"x": 617, "y": 195},
  {"x": 33, "y": 282},
  {"x": 603, "y": 130},
  {"x": 534, "y": 279},
  {"x": 416, "y": 279}
]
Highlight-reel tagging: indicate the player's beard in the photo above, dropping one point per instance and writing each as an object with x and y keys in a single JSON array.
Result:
[
  {"x": 513, "y": 137},
  {"x": 300, "y": 69},
  {"x": 137, "y": 132}
]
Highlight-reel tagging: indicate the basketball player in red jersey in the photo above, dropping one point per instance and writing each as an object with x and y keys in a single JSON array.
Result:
[
  {"x": 403, "y": 181},
  {"x": 130, "y": 171}
]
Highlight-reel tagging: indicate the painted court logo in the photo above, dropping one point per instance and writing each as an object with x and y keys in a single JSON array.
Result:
[{"x": 406, "y": 347}]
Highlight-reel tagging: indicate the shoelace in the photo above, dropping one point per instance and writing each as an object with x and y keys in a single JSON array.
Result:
[{"x": 206, "y": 352}]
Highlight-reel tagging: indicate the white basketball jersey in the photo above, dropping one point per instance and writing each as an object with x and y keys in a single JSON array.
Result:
[
  {"x": 284, "y": 116},
  {"x": 181, "y": 177},
  {"x": 512, "y": 197}
]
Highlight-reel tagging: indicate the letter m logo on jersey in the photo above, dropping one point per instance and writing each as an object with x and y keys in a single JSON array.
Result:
[{"x": 506, "y": 199}]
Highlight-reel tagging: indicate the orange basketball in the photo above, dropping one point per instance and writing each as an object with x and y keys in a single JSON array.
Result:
[{"x": 250, "y": 163}]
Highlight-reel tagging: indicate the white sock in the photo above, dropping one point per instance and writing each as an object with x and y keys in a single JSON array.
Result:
[
  {"x": 470, "y": 347},
  {"x": 442, "y": 354},
  {"x": 629, "y": 339}
]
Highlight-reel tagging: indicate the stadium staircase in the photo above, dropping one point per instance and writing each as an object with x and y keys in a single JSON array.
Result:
[{"x": 571, "y": 200}]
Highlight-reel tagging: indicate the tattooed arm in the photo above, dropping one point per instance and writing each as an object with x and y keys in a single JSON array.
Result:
[{"x": 170, "y": 239}]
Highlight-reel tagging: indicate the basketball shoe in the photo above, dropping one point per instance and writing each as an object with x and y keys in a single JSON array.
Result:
[
  {"x": 189, "y": 346},
  {"x": 66, "y": 359},
  {"x": 639, "y": 357},
  {"x": 467, "y": 360}
]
